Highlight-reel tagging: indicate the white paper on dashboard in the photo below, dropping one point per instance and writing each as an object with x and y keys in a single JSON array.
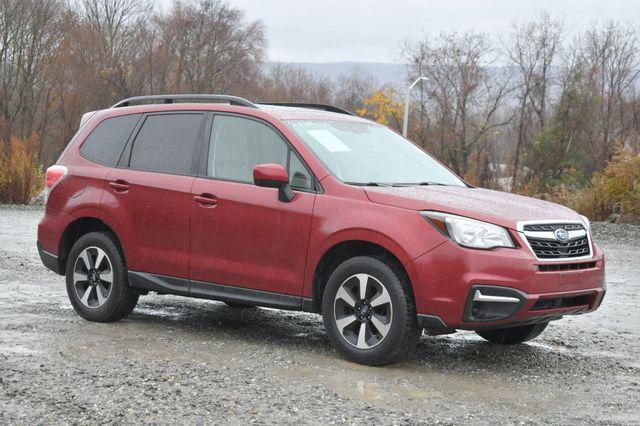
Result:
[{"x": 329, "y": 141}]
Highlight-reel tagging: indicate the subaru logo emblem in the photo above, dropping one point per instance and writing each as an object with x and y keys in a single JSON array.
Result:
[{"x": 562, "y": 235}]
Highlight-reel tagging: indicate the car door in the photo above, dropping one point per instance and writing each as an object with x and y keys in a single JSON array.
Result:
[
  {"x": 241, "y": 234},
  {"x": 149, "y": 196}
]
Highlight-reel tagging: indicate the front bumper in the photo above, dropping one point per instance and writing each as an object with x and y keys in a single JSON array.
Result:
[{"x": 461, "y": 288}]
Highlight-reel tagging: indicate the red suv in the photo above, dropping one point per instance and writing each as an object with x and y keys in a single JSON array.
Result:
[{"x": 305, "y": 207}]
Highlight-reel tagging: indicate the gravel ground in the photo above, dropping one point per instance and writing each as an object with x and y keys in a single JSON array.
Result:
[{"x": 178, "y": 360}]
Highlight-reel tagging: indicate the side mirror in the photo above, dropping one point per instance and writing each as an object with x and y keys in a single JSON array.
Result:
[{"x": 274, "y": 176}]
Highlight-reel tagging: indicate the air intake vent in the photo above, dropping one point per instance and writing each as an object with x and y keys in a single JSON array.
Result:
[
  {"x": 559, "y": 267},
  {"x": 564, "y": 302}
]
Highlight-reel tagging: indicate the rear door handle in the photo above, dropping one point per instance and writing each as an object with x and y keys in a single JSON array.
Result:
[
  {"x": 119, "y": 185},
  {"x": 206, "y": 200}
]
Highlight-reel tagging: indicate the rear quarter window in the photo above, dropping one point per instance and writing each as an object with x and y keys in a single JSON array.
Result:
[{"x": 105, "y": 143}]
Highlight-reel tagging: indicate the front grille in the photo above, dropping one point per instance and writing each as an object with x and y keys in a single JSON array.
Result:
[
  {"x": 552, "y": 227},
  {"x": 546, "y": 249},
  {"x": 541, "y": 238}
]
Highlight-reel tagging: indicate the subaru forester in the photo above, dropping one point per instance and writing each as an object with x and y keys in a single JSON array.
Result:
[{"x": 305, "y": 207}]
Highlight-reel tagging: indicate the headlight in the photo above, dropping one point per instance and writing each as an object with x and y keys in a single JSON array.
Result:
[
  {"x": 587, "y": 224},
  {"x": 469, "y": 232}
]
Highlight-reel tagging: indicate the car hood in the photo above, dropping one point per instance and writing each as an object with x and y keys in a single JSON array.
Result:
[{"x": 497, "y": 207}]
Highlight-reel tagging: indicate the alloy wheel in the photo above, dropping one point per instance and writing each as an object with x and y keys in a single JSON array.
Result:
[
  {"x": 93, "y": 277},
  {"x": 363, "y": 311}
]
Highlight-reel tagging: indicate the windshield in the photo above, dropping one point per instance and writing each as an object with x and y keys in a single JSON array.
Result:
[{"x": 369, "y": 154}]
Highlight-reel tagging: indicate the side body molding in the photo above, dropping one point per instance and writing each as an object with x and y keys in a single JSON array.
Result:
[{"x": 183, "y": 287}]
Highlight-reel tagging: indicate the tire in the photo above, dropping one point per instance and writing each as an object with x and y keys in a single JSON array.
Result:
[
  {"x": 387, "y": 311},
  {"x": 116, "y": 300},
  {"x": 513, "y": 335}
]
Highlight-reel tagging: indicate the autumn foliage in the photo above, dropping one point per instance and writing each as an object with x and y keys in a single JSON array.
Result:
[
  {"x": 384, "y": 107},
  {"x": 21, "y": 175},
  {"x": 613, "y": 193}
]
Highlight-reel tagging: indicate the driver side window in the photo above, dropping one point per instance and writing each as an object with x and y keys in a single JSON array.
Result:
[{"x": 238, "y": 144}]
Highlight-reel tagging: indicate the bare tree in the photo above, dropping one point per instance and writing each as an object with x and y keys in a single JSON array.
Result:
[
  {"x": 531, "y": 50},
  {"x": 210, "y": 47},
  {"x": 612, "y": 64},
  {"x": 353, "y": 88},
  {"x": 286, "y": 83},
  {"x": 28, "y": 33},
  {"x": 460, "y": 95},
  {"x": 109, "y": 35}
]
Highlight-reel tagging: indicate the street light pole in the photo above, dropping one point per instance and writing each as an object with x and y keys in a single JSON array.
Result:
[{"x": 405, "y": 125}]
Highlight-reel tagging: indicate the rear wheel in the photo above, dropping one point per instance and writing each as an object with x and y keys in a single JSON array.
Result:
[
  {"x": 369, "y": 313},
  {"x": 513, "y": 335},
  {"x": 97, "y": 282}
]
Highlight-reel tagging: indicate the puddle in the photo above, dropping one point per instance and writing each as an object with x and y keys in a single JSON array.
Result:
[{"x": 415, "y": 388}]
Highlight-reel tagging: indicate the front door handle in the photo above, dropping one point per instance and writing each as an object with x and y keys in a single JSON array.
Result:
[
  {"x": 206, "y": 200},
  {"x": 119, "y": 185}
]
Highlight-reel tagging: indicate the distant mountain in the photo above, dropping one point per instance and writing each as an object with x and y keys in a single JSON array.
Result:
[{"x": 383, "y": 73}]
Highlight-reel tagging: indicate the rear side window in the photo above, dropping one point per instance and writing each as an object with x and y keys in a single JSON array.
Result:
[
  {"x": 167, "y": 143},
  {"x": 105, "y": 144}
]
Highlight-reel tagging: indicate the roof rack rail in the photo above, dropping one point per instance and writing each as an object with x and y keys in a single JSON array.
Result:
[
  {"x": 321, "y": 107},
  {"x": 169, "y": 99}
]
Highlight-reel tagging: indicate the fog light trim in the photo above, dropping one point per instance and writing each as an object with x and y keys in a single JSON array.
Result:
[
  {"x": 479, "y": 297},
  {"x": 487, "y": 303}
]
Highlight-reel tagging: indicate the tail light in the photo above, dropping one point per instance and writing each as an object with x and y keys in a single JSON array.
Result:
[{"x": 55, "y": 174}]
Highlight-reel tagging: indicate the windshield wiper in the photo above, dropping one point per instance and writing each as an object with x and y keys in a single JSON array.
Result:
[
  {"x": 420, "y": 184},
  {"x": 367, "y": 183}
]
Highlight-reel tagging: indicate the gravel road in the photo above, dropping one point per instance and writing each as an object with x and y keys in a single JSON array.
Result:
[{"x": 178, "y": 360}]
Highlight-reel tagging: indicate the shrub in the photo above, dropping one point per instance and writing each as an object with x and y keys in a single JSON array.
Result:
[
  {"x": 615, "y": 190},
  {"x": 21, "y": 176}
]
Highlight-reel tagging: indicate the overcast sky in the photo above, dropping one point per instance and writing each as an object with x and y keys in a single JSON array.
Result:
[{"x": 373, "y": 30}]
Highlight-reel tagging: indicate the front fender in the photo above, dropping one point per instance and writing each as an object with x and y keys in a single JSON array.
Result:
[{"x": 404, "y": 233}]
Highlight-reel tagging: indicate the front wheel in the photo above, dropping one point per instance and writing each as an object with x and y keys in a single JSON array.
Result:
[
  {"x": 97, "y": 282},
  {"x": 368, "y": 311},
  {"x": 513, "y": 335}
]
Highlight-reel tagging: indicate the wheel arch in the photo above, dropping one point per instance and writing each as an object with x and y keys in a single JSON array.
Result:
[
  {"x": 76, "y": 229},
  {"x": 342, "y": 251}
]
